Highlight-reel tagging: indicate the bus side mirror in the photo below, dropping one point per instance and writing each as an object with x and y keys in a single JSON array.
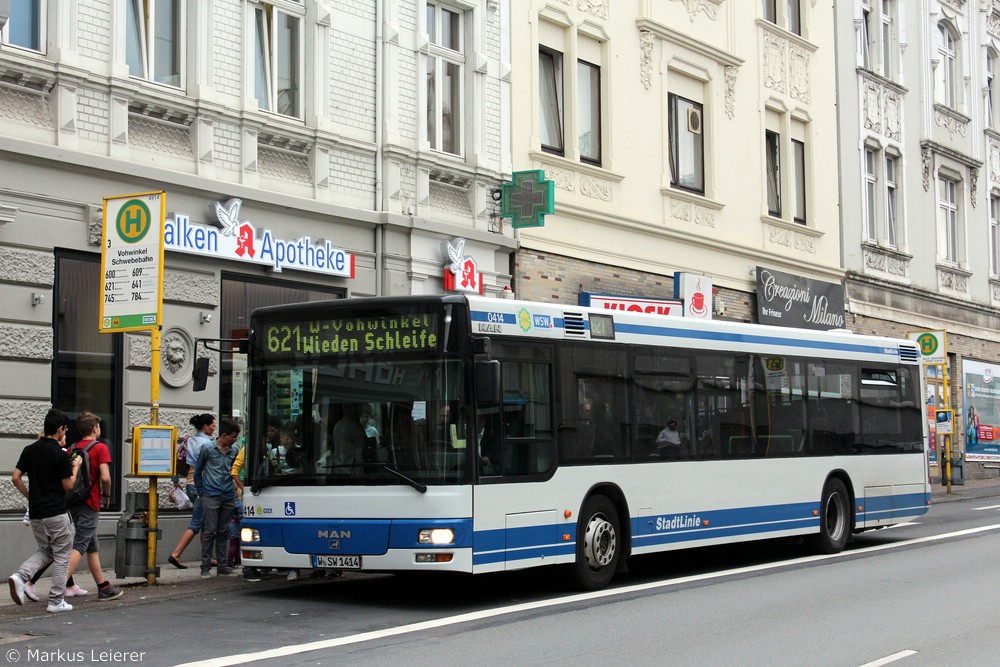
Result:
[
  {"x": 488, "y": 383},
  {"x": 200, "y": 375}
]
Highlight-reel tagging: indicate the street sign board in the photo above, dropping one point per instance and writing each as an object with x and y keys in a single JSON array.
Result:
[
  {"x": 528, "y": 198},
  {"x": 132, "y": 262},
  {"x": 933, "y": 346}
]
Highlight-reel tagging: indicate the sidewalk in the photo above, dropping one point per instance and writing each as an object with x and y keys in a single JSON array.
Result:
[
  {"x": 972, "y": 489},
  {"x": 172, "y": 583}
]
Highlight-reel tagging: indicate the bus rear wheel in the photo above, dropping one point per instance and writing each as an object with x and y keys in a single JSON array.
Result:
[
  {"x": 598, "y": 544},
  {"x": 834, "y": 518}
]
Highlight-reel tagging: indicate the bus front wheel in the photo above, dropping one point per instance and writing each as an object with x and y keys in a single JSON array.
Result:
[
  {"x": 834, "y": 518},
  {"x": 598, "y": 544}
]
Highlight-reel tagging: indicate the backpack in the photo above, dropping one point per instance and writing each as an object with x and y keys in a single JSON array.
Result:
[
  {"x": 80, "y": 492},
  {"x": 182, "y": 452}
]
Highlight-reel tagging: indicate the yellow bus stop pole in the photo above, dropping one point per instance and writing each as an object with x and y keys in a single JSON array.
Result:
[{"x": 154, "y": 416}]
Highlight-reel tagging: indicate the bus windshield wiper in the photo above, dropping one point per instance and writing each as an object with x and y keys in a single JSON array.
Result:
[{"x": 419, "y": 486}]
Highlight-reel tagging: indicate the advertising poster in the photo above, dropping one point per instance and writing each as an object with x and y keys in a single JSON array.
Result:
[{"x": 981, "y": 411}]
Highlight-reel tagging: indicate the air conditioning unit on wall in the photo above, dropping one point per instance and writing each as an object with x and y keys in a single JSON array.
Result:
[{"x": 694, "y": 121}]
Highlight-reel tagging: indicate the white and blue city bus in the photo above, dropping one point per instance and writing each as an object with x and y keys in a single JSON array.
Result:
[{"x": 466, "y": 434}]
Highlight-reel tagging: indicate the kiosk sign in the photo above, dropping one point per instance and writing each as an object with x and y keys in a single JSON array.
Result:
[{"x": 132, "y": 262}]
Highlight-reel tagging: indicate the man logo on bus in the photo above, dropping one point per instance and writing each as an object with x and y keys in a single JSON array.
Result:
[
  {"x": 776, "y": 364},
  {"x": 289, "y": 508},
  {"x": 133, "y": 221}
]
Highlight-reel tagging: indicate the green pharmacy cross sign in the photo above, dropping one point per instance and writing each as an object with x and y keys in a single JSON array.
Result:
[{"x": 528, "y": 198}]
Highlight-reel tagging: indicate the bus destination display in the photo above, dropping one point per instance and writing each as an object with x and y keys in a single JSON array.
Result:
[{"x": 354, "y": 335}]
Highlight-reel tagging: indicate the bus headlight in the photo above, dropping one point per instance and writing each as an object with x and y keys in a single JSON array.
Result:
[
  {"x": 249, "y": 535},
  {"x": 436, "y": 536}
]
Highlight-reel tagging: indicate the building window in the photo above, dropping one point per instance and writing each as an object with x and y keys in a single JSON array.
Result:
[
  {"x": 550, "y": 95},
  {"x": 877, "y": 41},
  {"x": 25, "y": 25},
  {"x": 790, "y": 17},
  {"x": 948, "y": 220},
  {"x": 769, "y": 10},
  {"x": 153, "y": 40},
  {"x": 888, "y": 36},
  {"x": 865, "y": 44},
  {"x": 773, "y": 166},
  {"x": 589, "y": 121},
  {"x": 945, "y": 89},
  {"x": 891, "y": 188},
  {"x": 687, "y": 146},
  {"x": 994, "y": 237},
  {"x": 278, "y": 58},
  {"x": 991, "y": 88},
  {"x": 871, "y": 200},
  {"x": 793, "y": 17},
  {"x": 445, "y": 67},
  {"x": 799, "y": 180}
]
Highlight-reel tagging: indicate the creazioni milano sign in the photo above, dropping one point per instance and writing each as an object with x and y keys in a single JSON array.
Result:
[{"x": 243, "y": 242}]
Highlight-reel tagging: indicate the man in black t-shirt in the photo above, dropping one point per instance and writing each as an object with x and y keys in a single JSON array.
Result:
[{"x": 52, "y": 475}]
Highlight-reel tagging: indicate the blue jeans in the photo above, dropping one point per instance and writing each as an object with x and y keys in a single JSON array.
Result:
[
  {"x": 197, "y": 514},
  {"x": 218, "y": 513}
]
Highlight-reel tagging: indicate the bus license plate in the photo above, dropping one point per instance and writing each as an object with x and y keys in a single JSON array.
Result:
[{"x": 338, "y": 562}]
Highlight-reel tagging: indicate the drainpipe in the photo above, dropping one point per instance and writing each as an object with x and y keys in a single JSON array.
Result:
[{"x": 379, "y": 106}]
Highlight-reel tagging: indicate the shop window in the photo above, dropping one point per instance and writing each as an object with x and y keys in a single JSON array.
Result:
[
  {"x": 88, "y": 364},
  {"x": 240, "y": 297}
]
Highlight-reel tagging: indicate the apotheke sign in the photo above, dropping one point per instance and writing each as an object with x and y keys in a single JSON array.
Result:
[{"x": 243, "y": 242}]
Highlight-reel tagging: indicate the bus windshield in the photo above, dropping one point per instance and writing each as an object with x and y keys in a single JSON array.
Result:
[
  {"x": 361, "y": 424},
  {"x": 371, "y": 395}
]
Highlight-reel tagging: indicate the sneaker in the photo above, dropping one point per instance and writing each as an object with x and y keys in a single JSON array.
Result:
[
  {"x": 293, "y": 575},
  {"x": 205, "y": 574},
  {"x": 227, "y": 572},
  {"x": 75, "y": 591},
  {"x": 251, "y": 574},
  {"x": 16, "y": 589},
  {"x": 29, "y": 592},
  {"x": 109, "y": 592},
  {"x": 56, "y": 607}
]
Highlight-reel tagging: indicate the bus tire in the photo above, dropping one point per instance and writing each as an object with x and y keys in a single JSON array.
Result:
[
  {"x": 598, "y": 544},
  {"x": 834, "y": 518}
]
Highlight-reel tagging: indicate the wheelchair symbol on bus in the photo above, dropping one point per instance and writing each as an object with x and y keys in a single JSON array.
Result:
[{"x": 289, "y": 509}]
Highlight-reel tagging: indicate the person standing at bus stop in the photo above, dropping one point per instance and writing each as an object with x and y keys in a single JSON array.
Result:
[
  {"x": 204, "y": 426},
  {"x": 214, "y": 482}
]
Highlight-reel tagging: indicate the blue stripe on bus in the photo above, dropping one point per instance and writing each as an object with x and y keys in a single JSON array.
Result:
[
  {"x": 758, "y": 339},
  {"x": 497, "y": 546},
  {"x": 496, "y": 317}
]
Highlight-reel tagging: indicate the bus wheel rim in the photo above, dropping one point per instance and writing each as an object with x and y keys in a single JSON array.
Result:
[
  {"x": 836, "y": 514},
  {"x": 600, "y": 542}
]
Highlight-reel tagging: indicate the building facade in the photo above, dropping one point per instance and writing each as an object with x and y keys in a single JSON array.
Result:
[
  {"x": 374, "y": 132},
  {"x": 920, "y": 184},
  {"x": 692, "y": 137}
]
